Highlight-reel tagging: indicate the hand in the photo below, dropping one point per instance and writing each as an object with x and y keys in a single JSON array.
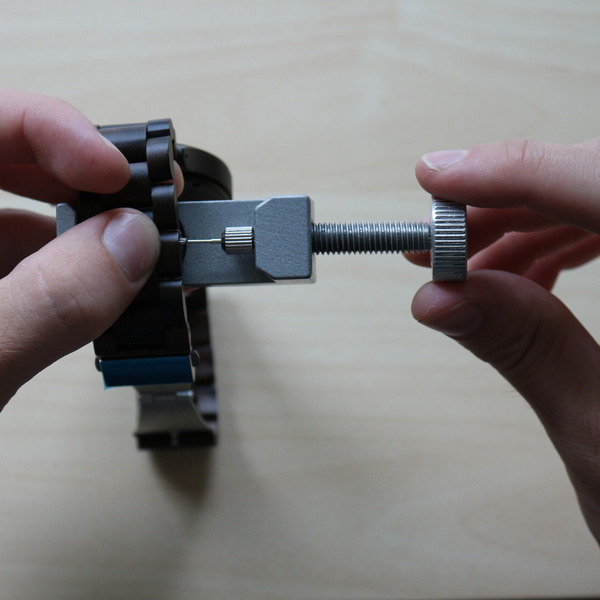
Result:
[
  {"x": 58, "y": 294},
  {"x": 534, "y": 209}
]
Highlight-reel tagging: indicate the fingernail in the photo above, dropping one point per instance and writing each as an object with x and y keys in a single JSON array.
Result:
[
  {"x": 133, "y": 241},
  {"x": 458, "y": 321},
  {"x": 110, "y": 144},
  {"x": 438, "y": 161}
]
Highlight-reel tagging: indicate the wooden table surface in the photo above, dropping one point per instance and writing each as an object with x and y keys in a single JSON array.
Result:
[{"x": 361, "y": 455}]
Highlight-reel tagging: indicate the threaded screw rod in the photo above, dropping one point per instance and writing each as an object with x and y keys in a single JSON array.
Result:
[
  {"x": 445, "y": 236},
  {"x": 353, "y": 238}
]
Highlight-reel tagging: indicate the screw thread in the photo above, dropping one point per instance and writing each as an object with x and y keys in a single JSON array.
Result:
[{"x": 344, "y": 238}]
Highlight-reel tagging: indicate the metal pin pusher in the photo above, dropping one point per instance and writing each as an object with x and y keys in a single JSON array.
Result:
[{"x": 278, "y": 240}]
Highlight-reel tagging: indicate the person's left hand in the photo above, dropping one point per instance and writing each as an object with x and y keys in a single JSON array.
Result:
[{"x": 59, "y": 294}]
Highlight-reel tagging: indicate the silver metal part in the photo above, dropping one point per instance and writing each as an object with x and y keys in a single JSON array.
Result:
[
  {"x": 343, "y": 238},
  {"x": 175, "y": 412},
  {"x": 282, "y": 241},
  {"x": 448, "y": 240},
  {"x": 66, "y": 217},
  {"x": 184, "y": 241},
  {"x": 238, "y": 240},
  {"x": 445, "y": 236}
]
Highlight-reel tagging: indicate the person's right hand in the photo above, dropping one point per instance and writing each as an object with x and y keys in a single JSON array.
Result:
[
  {"x": 58, "y": 295},
  {"x": 534, "y": 209}
]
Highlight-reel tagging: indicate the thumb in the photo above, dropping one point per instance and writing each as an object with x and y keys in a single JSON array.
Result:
[
  {"x": 70, "y": 291},
  {"x": 536, "y": 343}
]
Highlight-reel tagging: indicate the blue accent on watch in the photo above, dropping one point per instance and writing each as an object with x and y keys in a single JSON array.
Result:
[{"x": 147, "y": 371}]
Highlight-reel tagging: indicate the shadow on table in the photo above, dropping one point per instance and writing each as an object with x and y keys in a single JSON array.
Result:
[{"x": 187, "y": 471}]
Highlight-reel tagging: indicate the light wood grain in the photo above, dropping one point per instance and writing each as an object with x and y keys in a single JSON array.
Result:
[{"x": 361, "y": 456}]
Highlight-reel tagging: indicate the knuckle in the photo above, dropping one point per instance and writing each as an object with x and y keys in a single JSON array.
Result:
[
  {"x": 516, "y": 356},
  {"x": 529, "y": 155},
  {"x": 526, "y": 353}
]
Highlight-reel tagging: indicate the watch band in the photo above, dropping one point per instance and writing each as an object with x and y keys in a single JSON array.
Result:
[
  {"x": 150, "y": 343},
  {"x": 161, "y": 343}
]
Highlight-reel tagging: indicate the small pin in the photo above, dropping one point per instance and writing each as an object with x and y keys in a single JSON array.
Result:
[
  {"x": 234, "y": 240},
  {"x": 184, "y": 241},
  {"x": 211, "y": 241}
]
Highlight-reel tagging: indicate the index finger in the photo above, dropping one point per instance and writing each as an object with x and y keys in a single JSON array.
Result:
[
  {"x": 559, "y": 182},
  {"x": 48, "y": 132}
]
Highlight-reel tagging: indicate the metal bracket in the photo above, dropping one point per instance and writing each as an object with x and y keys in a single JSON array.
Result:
[{"x": 282, "y": 249}]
